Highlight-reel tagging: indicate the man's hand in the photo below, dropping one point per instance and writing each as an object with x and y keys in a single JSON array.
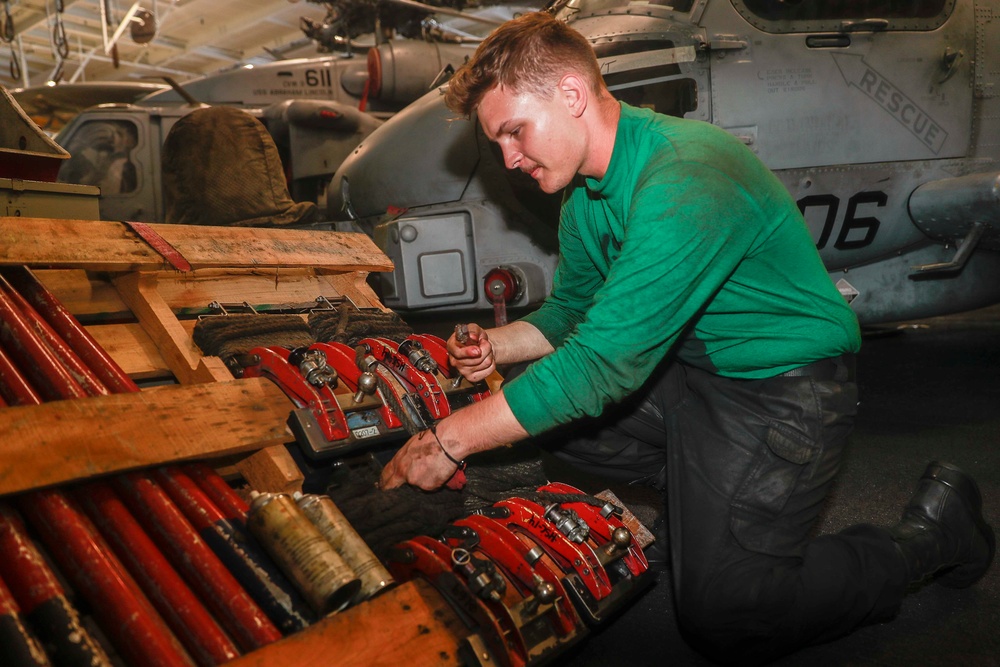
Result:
[
  {"x": 420, "y": 462},
  {"x": 473, "y": 357}
]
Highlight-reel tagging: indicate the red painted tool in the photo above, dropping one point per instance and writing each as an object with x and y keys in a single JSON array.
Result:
[
  {"x": 15, "y": 389},
  {"x": 67, "y": 326},
  {"x": 39, "y": 364}
]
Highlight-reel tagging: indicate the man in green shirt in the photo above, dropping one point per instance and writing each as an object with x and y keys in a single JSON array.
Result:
[{"x": 690, "y": 301}]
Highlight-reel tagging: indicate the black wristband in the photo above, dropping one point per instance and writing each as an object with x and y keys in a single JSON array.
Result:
[{"x": 433, "y": 430}]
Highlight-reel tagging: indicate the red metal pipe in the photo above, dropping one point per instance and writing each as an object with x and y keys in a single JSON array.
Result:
[
  {"x": 67, "y": 326},
  {"x": 39, "y": 363},
  {"x": 249, "y": 625},
  {"x": 22, "y": 564},
  {"x": 234, "y": 608},
  {"x": 232, "y": 506},
  {"x": 20, "y": 648},
  {"x": 180, "y": 608},
  {"x": 41, "y": 596},
  {"x": 256, "y": 572},
  {"x": 259, "y": 630},
  {"x": 124, "y": 613},
  {"x": 14, "y": 387},
  {"x": 233, "y": 510},
  {"x": 90, "y": 383}
]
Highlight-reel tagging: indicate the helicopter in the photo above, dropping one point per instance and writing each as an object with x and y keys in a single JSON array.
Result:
[
  {"x": 316, "y": 108},
  {"x": 348, "y": 19},
  {"x": 879, "y": 118}
]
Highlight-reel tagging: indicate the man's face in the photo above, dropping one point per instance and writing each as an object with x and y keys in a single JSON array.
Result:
[{"x": 538, "y": 135}]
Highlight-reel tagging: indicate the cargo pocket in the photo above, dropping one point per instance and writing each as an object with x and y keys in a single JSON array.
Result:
[{"x": 756, "y": 510}]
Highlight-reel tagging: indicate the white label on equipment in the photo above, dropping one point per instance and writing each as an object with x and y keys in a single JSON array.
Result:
[{"x": 366, "y": 432}]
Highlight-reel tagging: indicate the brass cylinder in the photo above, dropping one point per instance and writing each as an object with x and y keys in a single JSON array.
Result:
[
  {"x": 339, "y": 532},
  {"x": 325, "y": 580}
]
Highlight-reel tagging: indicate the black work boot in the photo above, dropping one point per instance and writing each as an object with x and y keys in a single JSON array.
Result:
[{"x": 942, "y": 533}]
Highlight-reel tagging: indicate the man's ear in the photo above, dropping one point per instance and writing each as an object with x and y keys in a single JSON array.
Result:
[{"x": 575, "y": 93}]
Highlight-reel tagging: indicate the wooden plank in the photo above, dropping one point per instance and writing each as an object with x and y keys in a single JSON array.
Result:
[
  {"x": 270, "y": 469},
  {"x": 409, "y": 625},
  {"x": 133, "y": 350},
  {"x": 260, "y": 287},
  {"x": 273, "y": 470},
  {"x": 82, "y": 293},
  {"x": 355, "y": 286},
  {"x": 113, "y": 246},
  {"x": 139, "y": 292},
  {"x": 61, "y": 441},
  {"x": 85, "y": 295}
]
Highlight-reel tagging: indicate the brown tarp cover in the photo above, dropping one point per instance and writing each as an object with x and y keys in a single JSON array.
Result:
[{"x": 221, "y": 167}]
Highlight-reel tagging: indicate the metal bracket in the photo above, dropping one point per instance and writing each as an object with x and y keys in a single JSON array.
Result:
[
  {"x": 727, "y": 43},
  {"x": 957, "y": 263}
]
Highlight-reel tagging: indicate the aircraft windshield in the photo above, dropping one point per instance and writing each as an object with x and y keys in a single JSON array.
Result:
[{"x": 101, "y": 155}]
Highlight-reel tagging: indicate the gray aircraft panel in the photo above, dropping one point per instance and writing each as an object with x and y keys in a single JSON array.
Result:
[{"x": 876, "y": 100}]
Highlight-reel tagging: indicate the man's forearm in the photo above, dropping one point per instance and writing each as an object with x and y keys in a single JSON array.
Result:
[
  {"x": 517, "y": 342},
  {"x": 479, "y": 427}
]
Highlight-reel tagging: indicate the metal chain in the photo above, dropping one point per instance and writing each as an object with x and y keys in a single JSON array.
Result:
[
  {"x": 9, "y": 34},
  {"x": 15, "y": 62},
  {"x": 59, "y": 40},
  {"x": 8, "y": 23}
]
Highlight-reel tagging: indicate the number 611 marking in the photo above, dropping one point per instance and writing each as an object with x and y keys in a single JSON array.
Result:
[{"x": 851, "y": 222}]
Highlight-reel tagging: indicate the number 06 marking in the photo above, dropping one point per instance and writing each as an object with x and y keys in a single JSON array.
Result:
[{"x": 851, "y": 223}]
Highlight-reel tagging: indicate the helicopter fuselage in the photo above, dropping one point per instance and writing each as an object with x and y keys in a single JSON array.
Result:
[{"x": 853, "y": 113}]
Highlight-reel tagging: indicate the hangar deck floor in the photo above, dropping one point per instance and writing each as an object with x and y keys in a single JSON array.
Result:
[{"x": 929, "y": 391}]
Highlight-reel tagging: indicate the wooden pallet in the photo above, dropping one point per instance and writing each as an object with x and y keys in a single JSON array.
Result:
[
  {"x": 137, "y": 307},
  {"x": 106, "y": 272}
]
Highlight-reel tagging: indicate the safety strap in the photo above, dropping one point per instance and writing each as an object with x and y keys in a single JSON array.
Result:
[{"x": 160, "y": 245}]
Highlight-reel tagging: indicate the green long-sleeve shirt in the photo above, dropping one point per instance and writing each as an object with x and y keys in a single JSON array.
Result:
[{"x": 690, "y": 243}]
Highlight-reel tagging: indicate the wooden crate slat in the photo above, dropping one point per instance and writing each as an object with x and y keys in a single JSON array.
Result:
[
  {"x": 96, "y": 299},
  {"x": 113, "y": 246},
  {"x": 81, "y": 293},
  {"x": 133, "y": 350},
  {"x": 62, "y": 441},
  {"x": 409, "y": 625}
]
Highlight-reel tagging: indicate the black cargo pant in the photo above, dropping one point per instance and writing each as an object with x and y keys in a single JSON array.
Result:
[{"x": 747, "y": 465}]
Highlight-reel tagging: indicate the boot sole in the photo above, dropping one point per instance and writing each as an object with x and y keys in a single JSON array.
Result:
[{"x": 954, "y": 478}]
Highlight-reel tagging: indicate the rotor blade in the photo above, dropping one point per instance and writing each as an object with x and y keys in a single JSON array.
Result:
[{"x": 445, "y": 10}]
